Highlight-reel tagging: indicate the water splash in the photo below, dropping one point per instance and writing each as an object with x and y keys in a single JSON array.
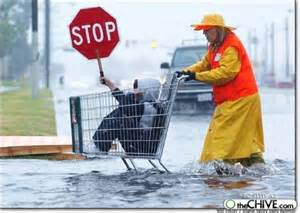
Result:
[{"x": 209, "y": 169}]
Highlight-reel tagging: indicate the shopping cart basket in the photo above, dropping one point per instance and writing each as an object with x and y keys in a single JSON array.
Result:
[{"x": 105, "y": 124}]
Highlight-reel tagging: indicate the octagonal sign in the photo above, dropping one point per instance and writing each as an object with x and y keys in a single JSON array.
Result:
[{"x": 92, "y": 30}]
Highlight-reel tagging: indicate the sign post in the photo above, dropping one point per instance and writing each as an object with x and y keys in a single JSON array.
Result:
[
  {"x": 94, "y": 34},
  {"x": 100, "y": 66}
]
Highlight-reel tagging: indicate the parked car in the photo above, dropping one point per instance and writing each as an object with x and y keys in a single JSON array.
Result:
[{"x": 192, "y": 96}]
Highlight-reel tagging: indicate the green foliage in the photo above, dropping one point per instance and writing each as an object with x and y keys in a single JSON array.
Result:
[
  {"x": 7, "y": 37},
  {"x": 15, "y": 16},
  {"x": 21, "y": 56},
  {"x": 8, "y": 28}
]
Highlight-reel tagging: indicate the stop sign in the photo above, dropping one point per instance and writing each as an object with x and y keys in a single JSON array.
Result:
[{"x": 92, "y": 30}]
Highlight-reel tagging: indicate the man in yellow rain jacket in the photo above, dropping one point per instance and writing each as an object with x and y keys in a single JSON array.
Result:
[{"x": 235, "y": 133}]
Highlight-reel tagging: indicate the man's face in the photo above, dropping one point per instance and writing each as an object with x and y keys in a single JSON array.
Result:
[{"x": 210, "y": 34}]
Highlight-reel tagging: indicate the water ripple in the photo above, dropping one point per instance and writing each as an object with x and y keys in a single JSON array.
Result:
[{"x": 193, "y": 185}]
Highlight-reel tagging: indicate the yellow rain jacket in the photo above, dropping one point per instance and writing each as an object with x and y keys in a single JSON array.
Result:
[{"x": 235, "y": 130}]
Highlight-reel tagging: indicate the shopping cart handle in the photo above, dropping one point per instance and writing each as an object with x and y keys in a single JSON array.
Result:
[{"x": 181, "y": 75}]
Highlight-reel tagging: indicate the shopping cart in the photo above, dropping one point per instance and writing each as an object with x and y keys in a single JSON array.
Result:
[{"x": 101, "y": 125}]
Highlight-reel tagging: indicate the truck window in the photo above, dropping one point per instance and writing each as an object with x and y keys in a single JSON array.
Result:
[{"x": 187, "y": 56}]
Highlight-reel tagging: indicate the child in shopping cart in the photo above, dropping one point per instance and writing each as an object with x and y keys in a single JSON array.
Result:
[{"x": 136, "y": 123}]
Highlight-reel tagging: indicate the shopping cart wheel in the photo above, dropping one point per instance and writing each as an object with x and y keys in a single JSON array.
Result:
[
  {"x": 126, "y": 164},
  {"x": 153, "y": 164},
  {"x": 133, "y": 164},
  {"x": 165, "y": 168}
]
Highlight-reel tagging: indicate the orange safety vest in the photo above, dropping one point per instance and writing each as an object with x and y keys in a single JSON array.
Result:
[{"x": 244, "y": 84}]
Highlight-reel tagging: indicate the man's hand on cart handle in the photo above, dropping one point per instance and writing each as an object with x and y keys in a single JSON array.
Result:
[
  {"x": 108, "y": 83},
  {"x": 179, "y": 74},
  {"x": 189, "y": 75}
]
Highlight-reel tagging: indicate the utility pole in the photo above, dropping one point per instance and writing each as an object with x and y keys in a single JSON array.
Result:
[
  {"x": 272, "y": 51},
  {"x": 266, "y": 54},
  {"x": 254, "y": 41},
  {"x": 287, "y": 70},
  {"x": 34, "y": 43},
  {"x": 47, "y": 42},
  {"x": 250, "y": 44}
]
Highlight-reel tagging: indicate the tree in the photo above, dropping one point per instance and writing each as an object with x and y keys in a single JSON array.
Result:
[
  {"x": 20, "y": 58},
  {"x": 8, "y": 29},
  {"x": 14, "y": 24}
]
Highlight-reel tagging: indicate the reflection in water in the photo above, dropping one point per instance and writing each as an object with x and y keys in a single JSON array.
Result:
[
  {"x": 215, "y": 182},
  {"x": 70, "y": 184}
]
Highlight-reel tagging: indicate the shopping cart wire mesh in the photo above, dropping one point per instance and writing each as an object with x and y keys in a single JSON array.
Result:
[{"x": 113, "y": 123}]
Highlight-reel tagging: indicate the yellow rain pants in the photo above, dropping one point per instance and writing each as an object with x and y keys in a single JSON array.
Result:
[{"x": 235, "y": 130}]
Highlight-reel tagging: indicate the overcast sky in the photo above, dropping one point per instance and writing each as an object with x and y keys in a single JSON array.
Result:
[{"x": 168, "y": 22}]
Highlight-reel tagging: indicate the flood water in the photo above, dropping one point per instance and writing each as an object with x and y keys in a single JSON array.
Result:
[{"x": 105, "y": 182}]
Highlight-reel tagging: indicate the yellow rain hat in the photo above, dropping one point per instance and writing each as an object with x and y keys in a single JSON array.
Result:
[{"x": 211, "y": 20}]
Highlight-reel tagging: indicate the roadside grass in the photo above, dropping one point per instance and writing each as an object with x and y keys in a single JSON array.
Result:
[{"x": 20, "y": 115}]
